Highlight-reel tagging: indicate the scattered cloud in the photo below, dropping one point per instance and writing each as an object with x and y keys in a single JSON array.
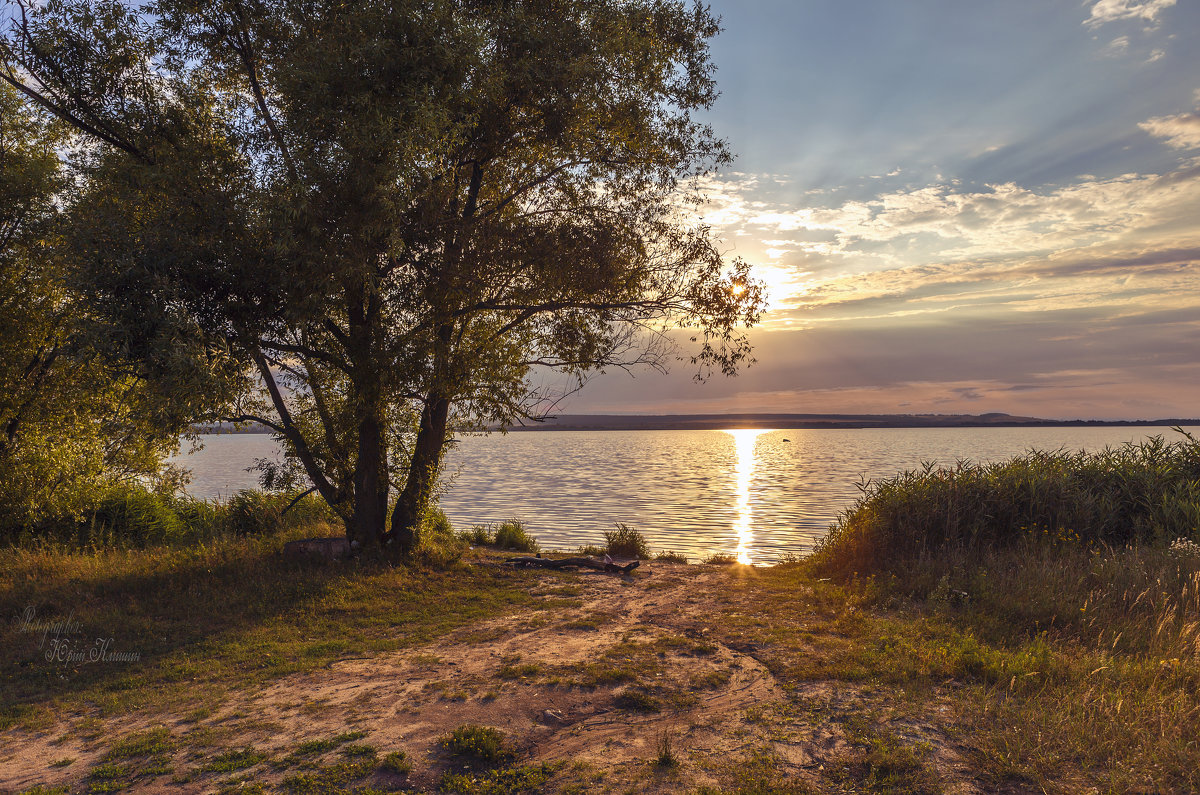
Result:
[
  {"x": 1181, "y": 131},
  {"x": 1116, "y": 47},
  {"x": 943, "y": 223},
  {"x": 1106, "y": 11}
]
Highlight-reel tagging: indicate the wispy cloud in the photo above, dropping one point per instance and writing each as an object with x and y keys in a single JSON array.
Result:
[
  {"x": 1181, "y": 131},
  {"x": 943, "y": 222},
  {"x": 1106, "y": 11}
]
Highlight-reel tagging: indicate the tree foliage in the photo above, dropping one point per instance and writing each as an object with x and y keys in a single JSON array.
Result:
[
  {"x": 74, "y": 416},
  {"x": 393, "y": 211}
]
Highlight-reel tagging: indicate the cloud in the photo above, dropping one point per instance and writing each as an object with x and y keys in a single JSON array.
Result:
[
  {"x": 943, "y": 223},
  {"x": 1181, "y": 131},
  {"x": 1106, "y": 11},
  {"x": 1108, "y": 365},
  {"x": 1118, "y": 46}
]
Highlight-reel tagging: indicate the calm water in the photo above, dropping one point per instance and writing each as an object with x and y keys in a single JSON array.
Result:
[{"x": 754, "y": 494}]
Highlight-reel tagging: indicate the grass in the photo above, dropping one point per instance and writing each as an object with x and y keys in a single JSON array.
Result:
[
  {"x": 476, "y": 743},
  {"x": 1002, "y": 606},
  {"x": 396, "y": 762},
  {"x": 512, "y": 535},
  {"x": 625, "y": 542},
  {"x": 1146, "y": 492},
  {"x": 230, "y": 761},
  {"x": 666, "y": 756},
  {"x": 213, "y": 618},
  {"x": 518, "y": 780}
]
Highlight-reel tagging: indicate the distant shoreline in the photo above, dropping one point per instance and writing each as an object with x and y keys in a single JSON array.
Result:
[
  {"x": 693, "y": 422},
  {"x": 669, "y": 422}
]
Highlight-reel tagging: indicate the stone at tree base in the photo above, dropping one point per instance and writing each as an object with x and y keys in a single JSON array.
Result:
[{"x": 325, "y": 548}]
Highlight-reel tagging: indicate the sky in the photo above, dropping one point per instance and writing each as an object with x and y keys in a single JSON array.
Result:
[{"x": 957, "y": 207}]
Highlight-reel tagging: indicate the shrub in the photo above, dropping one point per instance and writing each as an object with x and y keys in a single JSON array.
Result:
[
  {"x": 132, "y": 516},
  {"x": 438, "y": 545},
  {"x": 202, "y": 519},
  {"x": 625, "y": 542},
  {"x": 397, "y": 762},
  {"x": 480, "y": 743},
  {"x": 254, "y": 513},
  {"x": 512, "y": 535},
  {"x": 671, "y": 557},
  {"x": 1143, "y": 492},
  {"x": 478, "y": 536}
]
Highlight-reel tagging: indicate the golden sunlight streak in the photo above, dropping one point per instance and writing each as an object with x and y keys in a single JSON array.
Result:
[{"x": 744, "y": 440}]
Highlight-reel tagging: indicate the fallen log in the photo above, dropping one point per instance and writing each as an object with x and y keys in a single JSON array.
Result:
[{"x": 606, "y": 565}]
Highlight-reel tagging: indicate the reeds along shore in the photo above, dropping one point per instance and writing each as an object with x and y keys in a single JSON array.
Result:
[{"x": 1139, "y": 493}]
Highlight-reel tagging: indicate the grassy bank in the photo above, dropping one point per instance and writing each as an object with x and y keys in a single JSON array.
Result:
[
  {"x": 1063, "y": 589},
  {"x": 206, "y": 619},
  {"x": 1139, "y": 493},
  {"x": 933, "y": 644}
]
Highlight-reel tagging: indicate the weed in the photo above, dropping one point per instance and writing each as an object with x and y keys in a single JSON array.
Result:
[
  {"x": 637, "y": 701},
  {"x": 1137, "y": 493},
  {"x": 396, "y": 762},
  {"x": 231, "y": 761},
  {"x": 625, "y": 542},
  {"x": 522, "y": 780},
  {"x": 512, "y": 535},
  {"x": 666, "y": 754},
  {"x": 479, "y": 743}
]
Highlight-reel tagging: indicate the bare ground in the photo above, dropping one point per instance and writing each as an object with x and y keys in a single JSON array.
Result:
[{"x": 620, "y": 671}]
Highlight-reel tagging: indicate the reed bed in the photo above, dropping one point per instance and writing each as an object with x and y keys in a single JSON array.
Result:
[
  {"x": 1086, "y": 566},
  {"x": 1147, "y": 492}
]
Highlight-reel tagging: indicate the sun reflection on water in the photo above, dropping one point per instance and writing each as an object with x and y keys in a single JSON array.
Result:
[{"x": 744, "y": 440}]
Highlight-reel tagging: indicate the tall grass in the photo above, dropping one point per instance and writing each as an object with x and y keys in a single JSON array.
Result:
[
  {"x": 134, "y": 517},
  {"x": 1138, "y": 492}
]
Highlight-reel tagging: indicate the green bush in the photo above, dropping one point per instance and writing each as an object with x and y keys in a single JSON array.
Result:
[
  {"x": 132, "y": 516},
  {"x": 1143, "y": 492},
  {"x": 512, "y": 535},
  {"x": 625, "y": 542},
  {"x": 202, "y": 519},
  {"x": 438, "y": 545},
  {"x": 254, "y": 513},
  {"x": 477, "y": 536},
  {"x": 480, "y": 743}
]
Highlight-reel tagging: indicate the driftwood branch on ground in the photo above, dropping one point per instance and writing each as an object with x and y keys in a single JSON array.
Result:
[{"x": 576, "y": 563}]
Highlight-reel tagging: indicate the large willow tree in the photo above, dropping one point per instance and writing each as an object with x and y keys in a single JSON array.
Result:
[{"x": 392, "y": 210}]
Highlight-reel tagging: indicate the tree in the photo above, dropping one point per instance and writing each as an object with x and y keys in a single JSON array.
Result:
[
  {"x": 74, "y": 416},
  {"x": 393, "y": 211}
]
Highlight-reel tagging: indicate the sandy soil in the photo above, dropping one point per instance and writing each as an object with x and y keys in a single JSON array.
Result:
[{"x": 577, "y": 684}]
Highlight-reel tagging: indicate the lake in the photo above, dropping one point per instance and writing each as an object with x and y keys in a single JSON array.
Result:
[{"x": 754, "y": 494}]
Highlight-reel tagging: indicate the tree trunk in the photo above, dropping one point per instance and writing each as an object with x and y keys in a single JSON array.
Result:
[
  {"x": 369, "y": 521},
  {"x": 370, "y": 483},
  {"x": 422, "y": 472}
]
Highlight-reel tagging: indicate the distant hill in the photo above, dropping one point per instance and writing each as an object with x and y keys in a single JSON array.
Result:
[
  {"x": 624, "y": 422},
  {"x": 683, "y": 422}
]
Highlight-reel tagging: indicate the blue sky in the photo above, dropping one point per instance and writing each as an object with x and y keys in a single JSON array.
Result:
[{"x": 957, "y": 207}]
